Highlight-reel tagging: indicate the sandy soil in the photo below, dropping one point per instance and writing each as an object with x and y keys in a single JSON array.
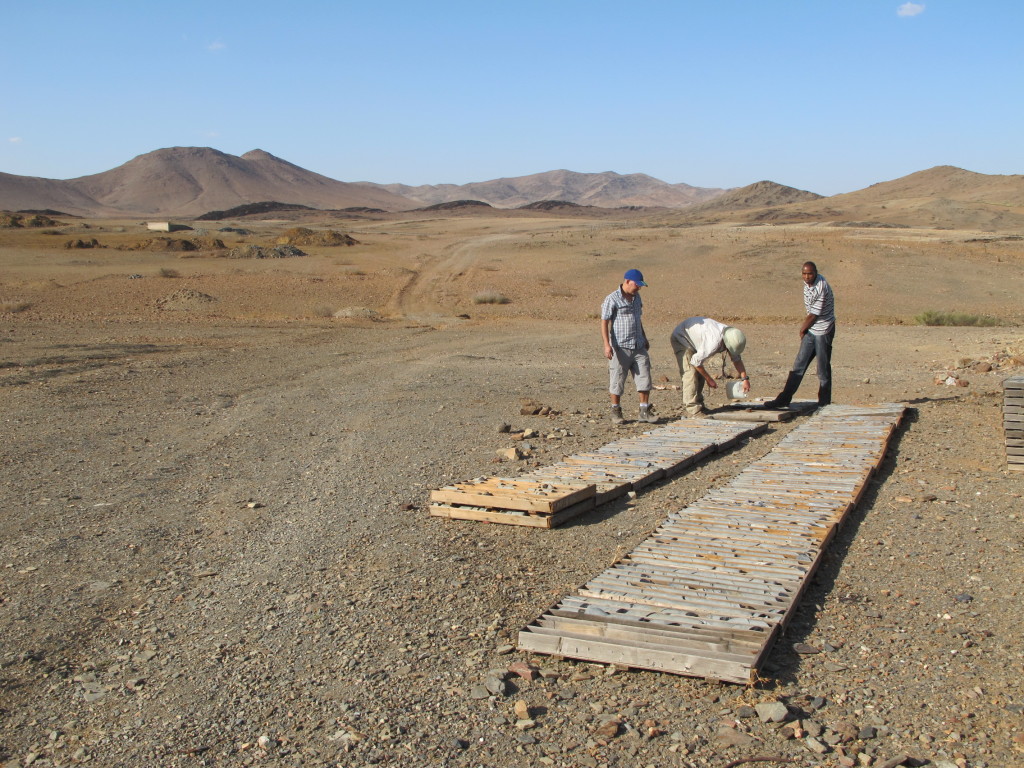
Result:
[{"x": 216, "y": 547}]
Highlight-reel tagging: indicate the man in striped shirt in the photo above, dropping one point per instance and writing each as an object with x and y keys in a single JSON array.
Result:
[{"x": 817, "y": 331}]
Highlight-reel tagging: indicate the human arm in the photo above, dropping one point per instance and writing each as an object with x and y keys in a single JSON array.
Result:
[
  {"x": 707, "y": 376},
  {"x": 707, "y": 343},
  {"x": 742, "y": 371},
  {"x": 606, "y": 326},
  {"x": 810, "y": 320}
]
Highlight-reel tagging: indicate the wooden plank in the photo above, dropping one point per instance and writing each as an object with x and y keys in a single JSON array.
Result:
[
  {"x": 697, "y": 601},
  {"x": 755, "y": 415},
  {"x": 713, "y": 643},
  {"x": 481, "y": 514},
  {"x": 638, "y": 655},
  {"x": 511, "y": 517},
  {"x": 512, "y": 494},
  {"x": 661, "y": 621}
]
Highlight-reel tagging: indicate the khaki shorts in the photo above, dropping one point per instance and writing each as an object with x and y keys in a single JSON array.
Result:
[{"x": 625, "y": 362}]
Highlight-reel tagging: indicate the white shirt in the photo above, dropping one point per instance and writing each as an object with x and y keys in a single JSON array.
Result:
[{"x": 702, "y": 335}]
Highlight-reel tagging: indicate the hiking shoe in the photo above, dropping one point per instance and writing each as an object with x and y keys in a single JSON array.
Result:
[
  {"x": 647, "y": 414},
  {"x": 617, "y": 414}
]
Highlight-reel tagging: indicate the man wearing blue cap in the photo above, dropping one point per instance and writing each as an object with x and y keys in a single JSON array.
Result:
[{"x": 626, "y": 345}]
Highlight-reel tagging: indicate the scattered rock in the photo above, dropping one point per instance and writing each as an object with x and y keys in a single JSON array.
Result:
[
  {"x": 815, "y": 746},
  {"x": 772, "y": 711},
  {"x": 524, "y": 671},
  {"x": 805, "y": 649},
  {"x": 730, "y": 737},
  {"x": 608, "y": 728}
]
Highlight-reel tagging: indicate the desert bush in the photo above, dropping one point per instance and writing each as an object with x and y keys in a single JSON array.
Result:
[
  {"x": 932, "y": 317},
  {"x": 260, "y": 252},
  {"x": 168, "y": 272},
  {"x": 79, "y": 243},
  {"x": 323, "y": 311},
  {"x": 10, "y": 307},
  {"x": 306, "y": 236},
  {"x": 491, "y": 297}
]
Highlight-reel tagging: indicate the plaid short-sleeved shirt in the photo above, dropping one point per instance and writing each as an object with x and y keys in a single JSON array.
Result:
[{"x": 626, "y": 330}]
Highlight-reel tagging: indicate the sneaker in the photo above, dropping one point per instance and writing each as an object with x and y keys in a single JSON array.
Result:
[
  {"x": 617, "y": 414},
  {"x": 647, "y": 414}
]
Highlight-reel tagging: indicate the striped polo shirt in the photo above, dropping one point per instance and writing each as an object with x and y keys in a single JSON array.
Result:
[{"x": 818, "y": 301}]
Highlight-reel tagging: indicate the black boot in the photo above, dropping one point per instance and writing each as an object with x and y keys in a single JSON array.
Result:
[
  {"x": 785, "y": 397},
  {"x": 824, "y": 395}
]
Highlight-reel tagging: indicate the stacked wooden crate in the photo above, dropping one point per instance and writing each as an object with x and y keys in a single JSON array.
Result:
[
  {"x": 1013, "y": 422},
  {"x": 551, "y": 495},
  {"x": 520, "y": 502}
]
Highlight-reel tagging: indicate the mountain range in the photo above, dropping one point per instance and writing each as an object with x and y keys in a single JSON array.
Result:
[{"x": 186, "y": 182}]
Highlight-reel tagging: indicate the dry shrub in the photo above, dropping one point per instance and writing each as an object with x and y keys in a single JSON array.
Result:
[
  {"x": 306, "y": 236},
  {"x": 168, "y": 272},
  {"x": 14, "y": 220},
  {"x": 261, "y": 252},
  {"x": 11, "y": 307},
  {"x": 963, "y": 319},
  {"x": 79, "y": 243}
]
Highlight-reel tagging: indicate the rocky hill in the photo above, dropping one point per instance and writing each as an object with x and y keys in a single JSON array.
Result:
[
  {"x": 184, "y": 181},
  {"x": 605, "y": 190},
  {"x": 942, "y": 197},
  {"x": 23, "y": 193},
  {"x": 189, "y": 182}
]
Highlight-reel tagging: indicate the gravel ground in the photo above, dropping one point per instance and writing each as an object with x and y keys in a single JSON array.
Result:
[{"x": 217, "y": 551}]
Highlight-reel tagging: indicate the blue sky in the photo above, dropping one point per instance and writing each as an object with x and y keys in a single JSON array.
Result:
[{"x": 828, "y": 96}]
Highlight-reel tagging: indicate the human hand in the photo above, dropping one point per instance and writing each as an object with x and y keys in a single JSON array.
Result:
[
  {"x": 746, "y": 386},
  {"x": 608, "y": 351}
]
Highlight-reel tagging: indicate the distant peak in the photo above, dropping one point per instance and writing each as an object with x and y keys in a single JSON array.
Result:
[{"x": 258, "y": 154}]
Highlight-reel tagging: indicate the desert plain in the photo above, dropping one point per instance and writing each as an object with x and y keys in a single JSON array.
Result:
[{"x": 216, "y": 543}]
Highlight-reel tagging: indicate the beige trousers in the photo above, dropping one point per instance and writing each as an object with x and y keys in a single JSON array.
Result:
[{"x": 692, "y": 381}]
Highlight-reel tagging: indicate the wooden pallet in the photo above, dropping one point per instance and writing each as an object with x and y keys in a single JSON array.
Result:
[
  {"x": 1013, "y": 422},
  {"x": 709, "y": 591},
  {"x": 522, "y": 502},
  {"x": 551, "y": 495},
  {"x": 755, "y": 411}
]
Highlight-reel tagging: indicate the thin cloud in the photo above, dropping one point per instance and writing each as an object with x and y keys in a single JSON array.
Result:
[
  {"x": 910, "y": 9},
  {"x": 217, "y": 45},
  {"x": 15, "y": 139}
]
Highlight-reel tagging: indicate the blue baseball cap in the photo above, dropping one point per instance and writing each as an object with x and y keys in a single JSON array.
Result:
[{"x": 636, "y": 276}]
